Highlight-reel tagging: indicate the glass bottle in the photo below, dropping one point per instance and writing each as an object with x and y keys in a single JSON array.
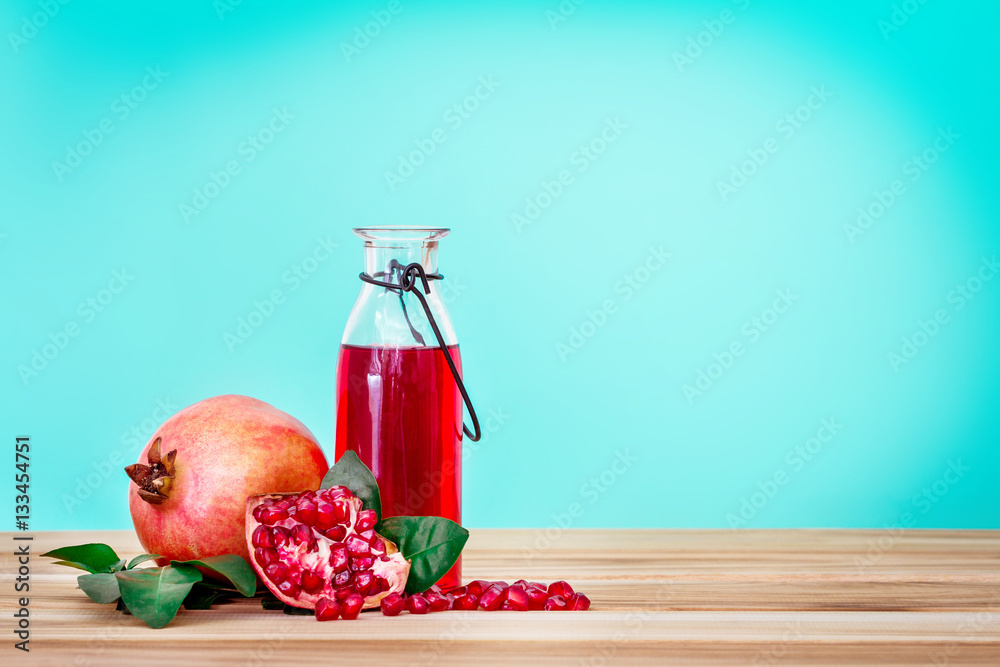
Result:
[{"x": 399, "y": 407}]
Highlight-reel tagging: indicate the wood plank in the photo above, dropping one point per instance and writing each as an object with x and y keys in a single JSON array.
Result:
[{"x": 810, "y": 597}]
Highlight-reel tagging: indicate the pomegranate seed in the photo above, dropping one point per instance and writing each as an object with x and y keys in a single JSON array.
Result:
[
  {"x": 352, "y": 607},
  {"x": 478, "y": 587},
  {"x": 383, "y": 584},
  {"x": 378, "y": 546},
  {"x": 417, "y": 604},
  {"x": 363, "y": 582},
  {"x": 502, "y": 584},
  {"x": 536, "y": 598},
  {"x": 507, "y": 606},
  {"x": 367, "y": 535},
  {"x": 337, "y": 533},
  {"x": 338, "y": 557},
  {"x": 285, "y": 504},
  {"x": 578, "y": 602},
  {"x": 289, "y": 588},
  {"x": 539, "y": 585},
  {"x": 467, "y": 602},
  {"x": 341, "y": 578},
  {"x": 434, "y": 589},
  {"x": 362, "y": 563},
  {"x": 273, "y": 515},
  {"x": 437, "y": 601},
  {"x": 492, "y": 598},
  {"x": 341, "y": 511},
  {"x": 555, "y": 603},
  {"x": 522, "y": 583},
  {"x": 560, "y": 588},
  {"x": 366, "y": 520},
  {"x": 302, "y": 534},
  {"x": 517, "y": 598},
  {"x": 325, "y": 518},
  {"x": 343, "y": 593},
  {"x": 276, "y": 572},
  {"x": 280, "y": 536},
  {"x": 459, "y": 591},
  {"x": 357, "y": 546},
  {"x": 306, "y": 512},
  {"x": 312, "y": 583},
  {"x": 265, "y": 556},
  {"x": 262, "y": 537},
  {"x": 392, "y": 604},
  {"x": 327, "y": 609}
]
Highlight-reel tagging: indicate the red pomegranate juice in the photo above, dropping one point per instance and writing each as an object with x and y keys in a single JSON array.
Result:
[{"x": 400, "y": 410}]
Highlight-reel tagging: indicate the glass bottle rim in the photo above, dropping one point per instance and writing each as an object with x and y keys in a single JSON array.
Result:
[{"x": 401, "y": 233}]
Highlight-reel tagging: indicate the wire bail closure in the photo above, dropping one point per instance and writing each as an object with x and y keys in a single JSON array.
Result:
[{"x": 409, "y": 276}]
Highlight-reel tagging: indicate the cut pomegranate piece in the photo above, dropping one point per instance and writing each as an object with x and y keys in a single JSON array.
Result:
[{"x": 300, "y": 562}]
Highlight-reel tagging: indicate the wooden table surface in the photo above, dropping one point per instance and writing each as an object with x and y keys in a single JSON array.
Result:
[{"x": 660, "y": 597}]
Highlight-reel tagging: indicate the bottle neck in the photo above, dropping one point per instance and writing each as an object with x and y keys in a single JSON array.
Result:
[{"x": 379, "y": 256}]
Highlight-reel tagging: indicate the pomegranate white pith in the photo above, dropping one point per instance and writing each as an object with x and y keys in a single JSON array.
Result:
[{"x": 321, "y": 544}]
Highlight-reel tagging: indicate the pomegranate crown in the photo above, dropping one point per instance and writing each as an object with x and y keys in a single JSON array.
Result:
[{"x": 154, "y": 480}]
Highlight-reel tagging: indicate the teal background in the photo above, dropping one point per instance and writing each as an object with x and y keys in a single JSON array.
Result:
[{"x": 518, "y": 292}]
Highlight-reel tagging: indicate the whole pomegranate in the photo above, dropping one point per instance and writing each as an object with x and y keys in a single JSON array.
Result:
[
  {"x": 319, "y": 550},
  {"x": 189, "y": 497}
]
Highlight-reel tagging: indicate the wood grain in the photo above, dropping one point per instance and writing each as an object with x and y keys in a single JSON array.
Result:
[{"x": 765, "y": 597}]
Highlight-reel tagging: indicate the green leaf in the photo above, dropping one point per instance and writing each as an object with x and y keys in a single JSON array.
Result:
[
  {"x": 203, "y": 597},
  {"x": 297, "y": 611},
  {"x": 119, "y": 566},
  {"x": 142, "y": 559},
  {"x": 351, "y": 472},
  {"x": 69, "y": 564},
  {"x": 90, "y": 557},
  {"x": 101, "y": 587},
  {"x": 154, "y": 595},
  {"x": 270, "y": 602},
  {"x": 431, "y": 543},
  {"x": 230, "y": 566}
]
